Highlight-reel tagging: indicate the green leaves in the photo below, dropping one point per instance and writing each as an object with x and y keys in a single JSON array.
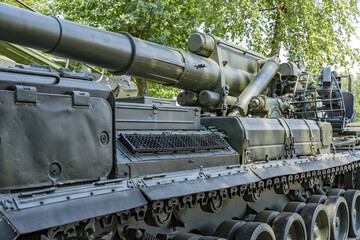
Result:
[
  {"x": 167, "y": 22},
  {"x": 157, "y": 90},
  {"x": 318, "y": 31},
  {"x": 161, "y": 21}
]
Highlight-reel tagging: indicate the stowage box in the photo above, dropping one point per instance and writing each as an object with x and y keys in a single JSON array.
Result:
[
  {"x": 135, "y": 116},
  {"x": 260, "y": 139},
  {"x": 48, "y": 133}
]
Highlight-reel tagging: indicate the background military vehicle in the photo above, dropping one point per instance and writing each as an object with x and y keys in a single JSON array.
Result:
[{"x": 257, "y": 149}]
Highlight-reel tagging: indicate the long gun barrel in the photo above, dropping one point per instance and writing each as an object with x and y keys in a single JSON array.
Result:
[{"x": 214, "y": 64}]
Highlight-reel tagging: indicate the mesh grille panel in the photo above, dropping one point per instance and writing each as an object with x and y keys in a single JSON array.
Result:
[{"x": 169, "y": 142}]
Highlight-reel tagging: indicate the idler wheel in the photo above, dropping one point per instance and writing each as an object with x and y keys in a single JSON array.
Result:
[
  {"x": 352, "y": 198},
  {"x": 289, "y": 226},
  {"x": 316, "y": 221},
  {"x": 266, "y": 216},
  {"x": 316, "y": 198},
  {"x": 228, "y": 229},
  {"x": 339, "y": 217},
  {"x": 255, "y": 231},
  {"x": 294, "y": 207}
]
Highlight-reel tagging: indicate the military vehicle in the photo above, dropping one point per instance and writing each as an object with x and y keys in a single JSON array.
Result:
[{"x": 257, "y": 149}]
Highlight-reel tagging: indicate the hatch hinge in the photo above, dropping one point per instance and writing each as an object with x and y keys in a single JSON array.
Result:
[
  {"x": 81, "y": 98},
  {"x": 25, "y": 94}
]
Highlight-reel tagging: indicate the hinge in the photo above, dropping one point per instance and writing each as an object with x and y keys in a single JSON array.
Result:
[
  {"x": 247, "y": 151},
  {"x": 25, "y": 94},
  {"x": 81, "y": 98}
]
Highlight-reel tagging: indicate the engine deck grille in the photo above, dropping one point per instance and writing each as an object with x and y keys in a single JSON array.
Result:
[{"x": 170, "y": 142}]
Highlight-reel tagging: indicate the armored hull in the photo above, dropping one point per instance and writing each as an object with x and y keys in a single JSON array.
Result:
[{"x": 256, "y": 151}]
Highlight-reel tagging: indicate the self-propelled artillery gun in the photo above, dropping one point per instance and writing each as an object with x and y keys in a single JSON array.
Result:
[{"x": 257, "y": 149}]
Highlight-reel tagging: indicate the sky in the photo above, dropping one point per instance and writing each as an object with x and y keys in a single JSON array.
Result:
[{"x": 355, "y": 43}]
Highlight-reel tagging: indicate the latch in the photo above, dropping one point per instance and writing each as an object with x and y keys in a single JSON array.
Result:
[
  {"x": 247, "y": 158},
  {"x": 197, "y": 111},
  {"x": 312, "y": 139},
  {"x": 289, "y": 138},
  {"x": 155, "y": 109},
  {"x": 25, "y": 94},
  {"x": 81, "y": 98},
  {"x": 247, "y": 151},
  {"x": 289, "y": 146}
]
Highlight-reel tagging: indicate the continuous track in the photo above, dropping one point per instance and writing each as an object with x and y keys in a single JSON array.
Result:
[{"x": 314, "y": 198}]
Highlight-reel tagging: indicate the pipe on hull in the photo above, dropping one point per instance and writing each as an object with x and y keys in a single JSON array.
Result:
[{"x": 255, "y": 87}]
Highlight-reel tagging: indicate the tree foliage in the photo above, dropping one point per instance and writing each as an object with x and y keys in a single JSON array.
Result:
[
  {"x": 317, "y": 31},
  {"x": 167, "y": 22},
  {"x": 355, "y": 88},
  {"x": 34, "y": 4}
]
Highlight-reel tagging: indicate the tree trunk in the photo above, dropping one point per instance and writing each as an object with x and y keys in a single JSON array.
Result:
[
  {"x": 276, "y": 41},
  {"x": 143, "y": 87}
]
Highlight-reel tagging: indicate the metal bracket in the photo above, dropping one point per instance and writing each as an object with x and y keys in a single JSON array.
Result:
[
  {"x": 25, "y": 94},
  {"x": 289, "y": 139},
  {"x": 221, "y": 87},
  {"x": 81, "y": 98},
  {"x": 246, "y": 146},
  {"x": 9, "y": 204},
  {"x": 312, "y": 147},
  {"x": 155, "y": 109},
  {"x": 224, "y": 106},
  {"x": 247, "y": 151}
]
